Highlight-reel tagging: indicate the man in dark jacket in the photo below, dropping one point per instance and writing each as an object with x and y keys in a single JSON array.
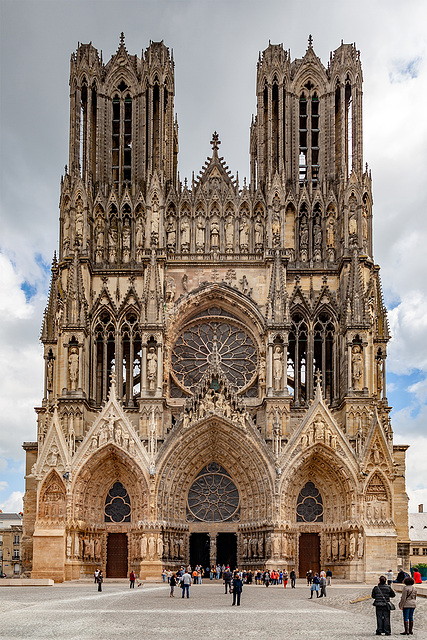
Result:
[
  {"x": 382, "y": 594},
  {"x": 237, "y": 588},
  {"x": 293, "y": 577},
  {"x": 227, "y": 577}
]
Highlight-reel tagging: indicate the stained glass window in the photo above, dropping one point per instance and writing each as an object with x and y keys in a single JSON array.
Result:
[
  {"x": 117, "y": 504},
  {"x": 213, "y": 496},
  {"x": 309, "y": 504}
]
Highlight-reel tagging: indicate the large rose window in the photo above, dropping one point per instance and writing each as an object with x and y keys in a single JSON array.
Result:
[
  {"x": 213, "y": 496},
  {"x": 221, "y": 342}
]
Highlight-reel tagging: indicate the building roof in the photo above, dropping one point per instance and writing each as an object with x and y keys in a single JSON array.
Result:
[
  {"x": 418, "y": 527},
  {"x": 9, "y": 519}
]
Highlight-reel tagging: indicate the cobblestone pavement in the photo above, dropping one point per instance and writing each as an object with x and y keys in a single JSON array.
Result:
[{"x": 77, "y": 611}]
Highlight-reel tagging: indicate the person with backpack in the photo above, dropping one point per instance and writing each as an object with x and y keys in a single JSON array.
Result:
[
  {"x": 100, "y": 580},
  {"x": 315, "y": 586}
]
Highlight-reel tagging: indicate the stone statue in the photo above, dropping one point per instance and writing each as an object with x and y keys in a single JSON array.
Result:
[
  {"x": 359, "y": 545},
  {"x": 152, "y": 368},
  {"x": 342, "y": 545},
  {"x": 73, "y": 368},
  {"x": 69, "y": 543},
  {"x": 334, "y": 547},
  {"x": 112, "y": 243},
  {"x": 379, "y": 376},
  {"x": 97, "y": 549},
  {"x": 139, "y": 238},
  {"x": 330, "y": 231},
  {"x": 79, "y": 221},
  {"x": 357, "y": 367},
  {"x": 155, "y": 221},
  {"x": 276, "y": 546},
  {"x": 159, "y": 547},
  {"x": 170, "y": 288},
  {"x": 126, "y": 240},
  {"x": 185, "y": 235},
  {"x": 229, "y": 234},
  {"x": 261, "y": 378},
  {"x": 99, "y": 240},
  {"x": 258, "y": 234},
  {"x": 200, "y": 235},
  {"x": 214, "y": 234},
  {"x": 66, "y": 233},
  {"x": 351, "y": 546},
  {"x": 171, "y": 234},
  {"x": 244, "y": 234},
  {"x": 278, "y": 368},
  {"x": 143, "y": 546},
  {"x": 49, "y": 382}
]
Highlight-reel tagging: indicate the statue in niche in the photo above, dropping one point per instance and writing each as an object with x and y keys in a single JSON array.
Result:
[
  {"x": 139, "y": 238},
  {"x": 171, "y": 234},
  {"x": 52, "y": 457},
  {"x": 99, "y": 240},
  {"x": 200, "y": 235},
  {"x": 166, "y": 548},
  {"x": 359, "y": 545},
  {"x": 275, "y": 222},
  {"x": 330, "y": 231},
  {"x": 357, "y": 367},
  {"x": 159, "y": 546},
  {"x": 334, "y": 547},
  {"x": 342, "y": 546},
  {"x": 49, "y": 374},
  {"x": 155, "y": 221},
  {"x": 69, "y": 545},
  {"x": 185, "y": 236},
  {"x": 261, "y": 378},
  {"x": 376, "y": 454},
  {"x": 317, "y": 240},
  {"x": 214, "y": 234},
  {"x": 144, "y": 544},
  {"x": 379, "y": 376},
  {"x": 365, "y": 229},
  {"x": 126, "y": 240},
  {"x": 97, "y": 549},
  {"x": 73, "y": 368},
  {"x": 244, "y": 234},
  {"x": 76, "y": 545},
  {"x": 170, "y": 289},
  {"x": 112, "y": 241},
  {"x": 152, "y": 368},
  {"x": 276, "y": 546},
  {"x": 352, "y": 221},
  {"x": 304, "y": 239},
  {"x": 278, "y": 368},
  {"x": 259, "y": 234},
  {"x": 229, "y": 234},
  {"x": 351, "y": 546},
  {"x": 66, "y": 233},
  {"x": 245, "y": 547},
  {"x": 79, "y": 221}
]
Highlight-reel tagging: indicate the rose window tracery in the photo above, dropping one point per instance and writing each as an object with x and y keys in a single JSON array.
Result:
[
  {"x": 219, "y": 341},
  {"x": 117, "y": 504},
  {"x": 309, "y": 504},
  {"x": 213, "y": 496}
]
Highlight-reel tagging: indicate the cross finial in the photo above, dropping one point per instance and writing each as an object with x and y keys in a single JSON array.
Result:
[
  {"x": 318, "y": 377},
  {"x": 215, "y": 142},
  {"x": 310, "y": 41},
  {"x": 122, "y": 39}
]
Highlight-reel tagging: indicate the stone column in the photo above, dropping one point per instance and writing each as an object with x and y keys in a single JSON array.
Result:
[
  {"x": 350, "y": 378},
  {"x": 270, "y": 369},
  {"x": 159, "y": 367},
  {"x": 143, "y": 369}
]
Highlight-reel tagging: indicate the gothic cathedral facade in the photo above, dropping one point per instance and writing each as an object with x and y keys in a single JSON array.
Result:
[{"x": 215, "y": 352}]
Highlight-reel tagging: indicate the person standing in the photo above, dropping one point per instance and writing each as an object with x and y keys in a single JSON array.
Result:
[
  {"x": 100, "y": 580},
  {"x": 417, "y": 577},
  {"x": 328, "y": 578},
  {"x": 315, "y": 586},
  {"x": 322, "y": 584},
  {"x": 293, "y": 577},
  {"x": 382, "y": 594},
  {"x": 309, "y": 577},
  {"x": 186, "y": 583},
  {"x": 285, "y": 579},
  {"x": 227, "y": 577},
  {"x": 95, "y": 575},
  {"x": 172, "y": 584},
  {"x": 407, "y": 604},
  {"x": 389, "y": 575},
  {"x": 237, "y": 588},
  {"x": 132, "y": 578}
]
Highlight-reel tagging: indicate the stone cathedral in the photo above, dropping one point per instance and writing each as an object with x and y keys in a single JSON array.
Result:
[{"x": 215, "y": 352}]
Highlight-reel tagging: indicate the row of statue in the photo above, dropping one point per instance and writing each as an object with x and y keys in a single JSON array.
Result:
[
  {"x": 377, "y": 510},
  {"x": 318, "y": 431},
  {"x": 112, "y": 431},
  {"x": 87, "y": 548},
  {"x": 156, "y": 547},
  {"x": 343, "y": 546},
  {"x": 214, "y": 402},
  {"x": 276, "y": 545}
]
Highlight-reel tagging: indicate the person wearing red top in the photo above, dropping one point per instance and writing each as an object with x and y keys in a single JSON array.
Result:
[{"x": 417, "y": 577}]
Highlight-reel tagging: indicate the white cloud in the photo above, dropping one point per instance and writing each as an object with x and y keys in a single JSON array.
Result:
[
  {"x": 13, "y": 503},
  {"x": 3, "y": 485},
  {"x": 408, "y": 324}
]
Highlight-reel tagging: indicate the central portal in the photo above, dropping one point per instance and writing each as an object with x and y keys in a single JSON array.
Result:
[
  {"x": 309, "y": 553},
  {"x": 200, "y": 550},
  {"x": 117, "y": 555},
  {"x": 226, "y": 549}
]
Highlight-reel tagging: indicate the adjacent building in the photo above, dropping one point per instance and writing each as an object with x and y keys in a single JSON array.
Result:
[
  {"x": 215, "y": 351},
  {"x": 10, "y": 544}
]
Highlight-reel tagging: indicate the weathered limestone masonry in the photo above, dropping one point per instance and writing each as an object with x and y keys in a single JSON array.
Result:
[{"x": 215, "y": 353}]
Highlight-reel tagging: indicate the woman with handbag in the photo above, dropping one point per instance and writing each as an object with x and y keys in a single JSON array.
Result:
[
  {"x": 382, "y": 594},
  {"x": 407, "y": 604}
]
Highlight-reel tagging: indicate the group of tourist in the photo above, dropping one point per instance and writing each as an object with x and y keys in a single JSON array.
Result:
[{"x": 382, "y": 593}]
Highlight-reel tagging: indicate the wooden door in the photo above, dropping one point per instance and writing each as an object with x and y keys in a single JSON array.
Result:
[
  {"x": 309, "y": 553},
  {"x": 117, "y": 555}
]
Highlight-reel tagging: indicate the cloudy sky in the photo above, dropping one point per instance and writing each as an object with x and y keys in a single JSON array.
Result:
[{"x": 216, "y": 45}]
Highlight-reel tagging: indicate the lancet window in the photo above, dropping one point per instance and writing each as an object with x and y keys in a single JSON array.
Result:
[
  {"x": 309, "y": 136},
  {"x": 121, "y": 136},
  {"x": 131, "y": 358},
  {"x": 324, "y": 352},
  {"x": 105, "y": 354},
  {"x": 297, "y": 357}
]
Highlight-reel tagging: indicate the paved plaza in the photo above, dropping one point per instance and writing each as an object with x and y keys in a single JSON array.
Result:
[{"x": 77, "y": 611}]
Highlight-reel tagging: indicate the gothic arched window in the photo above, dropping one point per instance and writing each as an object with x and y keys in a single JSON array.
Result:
[
  {"x": 117, "y": 504},
  {"x": 309, "y": 135},
  {"x": 122, "y": 135},
  {"x": 309, "y": 504},
  {"x": 297, "y": 358},
  {"x": 323, "y": 352},
  {"x": 213, "y": 496},
  {"x": 105, "y": 354}
]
